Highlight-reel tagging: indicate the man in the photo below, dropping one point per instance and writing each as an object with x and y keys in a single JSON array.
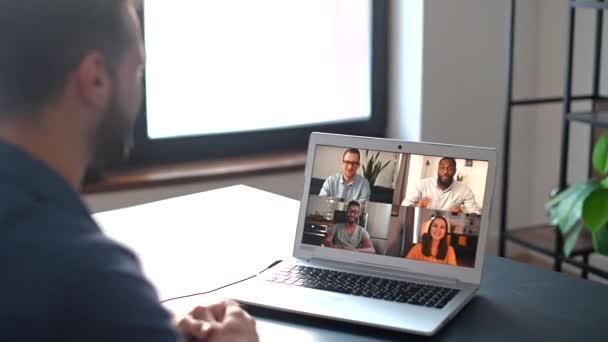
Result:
[
  {"x": 347, "y": 184},
  {"x": 70, "y": 89},
  {"x": 443, "y": 193},
  {"x": 349, "y": 236}
]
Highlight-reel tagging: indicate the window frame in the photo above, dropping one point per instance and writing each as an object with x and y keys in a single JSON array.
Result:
[{"x": 159, "y": 151}]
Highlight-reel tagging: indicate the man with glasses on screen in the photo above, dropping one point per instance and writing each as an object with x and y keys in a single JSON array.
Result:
[
  {"x": 350, "y": 235},
  {"x": 347, "y": 184},
  {"x": 70, "y": 91},
  {"x": 443, "y": 192}
]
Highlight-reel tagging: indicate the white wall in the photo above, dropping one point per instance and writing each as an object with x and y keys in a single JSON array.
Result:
[
  {"x": 416, "y": 168},
  {"x": 405, "y": 98},
  {"x": 328, "y": 161},
  {"x": 464, "y": 91},
  {"x": 464, "y": 78}
]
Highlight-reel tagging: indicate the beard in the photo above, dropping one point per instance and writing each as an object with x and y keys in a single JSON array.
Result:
[
  {"x": 445, "y": 184},
  {"x": 352, "y": 220},
  {"x": 113, "y": 139}
]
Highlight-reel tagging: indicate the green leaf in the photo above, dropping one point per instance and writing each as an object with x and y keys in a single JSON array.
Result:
[
  {"x": 600, "y": 155},
  {"x": 600, "y": 241},
  {"x": 595, "y": 209},
  {"x": 571, "y": 238},
  {"x": 568, "y": 210},
  {"x": 555, "y": 200},
  {"x": 604, "y": 183},
  {"x": 369, "y": 168},
  {"x": 373, "y": 166}
]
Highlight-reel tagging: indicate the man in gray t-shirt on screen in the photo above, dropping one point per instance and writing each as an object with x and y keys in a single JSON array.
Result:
[
  {"x": 349, "y": 236},
  {"x": 347, "y": 184}
]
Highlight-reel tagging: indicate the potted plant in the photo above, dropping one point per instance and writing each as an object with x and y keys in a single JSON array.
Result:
[
  {"x": 460, "y": 177},
  {"x": 372, "y": 168},
  {"x": 585, "y": 205}
]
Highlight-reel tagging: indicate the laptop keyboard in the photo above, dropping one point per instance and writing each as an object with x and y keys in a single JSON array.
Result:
[{"x": 360, "y": 285}]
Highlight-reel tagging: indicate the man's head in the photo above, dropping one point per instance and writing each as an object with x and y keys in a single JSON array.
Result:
[
  {"x": 446, "y": 172},
  {"x": 352, "y": 212},
  {"x": 351, "y": 159},
  {"x": 83, "y": 56}
]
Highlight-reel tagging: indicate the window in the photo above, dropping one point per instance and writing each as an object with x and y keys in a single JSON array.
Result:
[{"x": 245, "y": 76}]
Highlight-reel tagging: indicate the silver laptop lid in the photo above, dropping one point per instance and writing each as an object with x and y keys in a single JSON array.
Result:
[{"x": 411, "y": 207}]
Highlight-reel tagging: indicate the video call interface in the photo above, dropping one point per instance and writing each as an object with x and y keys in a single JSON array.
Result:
[{"x": 403, "y": 205}]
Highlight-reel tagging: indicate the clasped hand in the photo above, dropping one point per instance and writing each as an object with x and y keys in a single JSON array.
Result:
[{"x": 222, "y": 321}]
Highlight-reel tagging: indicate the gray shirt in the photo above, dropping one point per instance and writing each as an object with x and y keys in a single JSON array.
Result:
[
  {"x": 342, "y": 238},
  {"x": 357, "y": 190}
]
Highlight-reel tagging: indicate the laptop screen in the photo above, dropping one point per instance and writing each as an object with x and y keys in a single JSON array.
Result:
[{"x": 403, "y": 205}]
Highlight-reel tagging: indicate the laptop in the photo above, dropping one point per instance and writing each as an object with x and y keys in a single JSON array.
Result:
[{"x": 390, "y": 234}]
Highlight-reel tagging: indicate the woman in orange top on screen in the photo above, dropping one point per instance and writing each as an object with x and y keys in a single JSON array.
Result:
[{"x": 433, "y": 245}]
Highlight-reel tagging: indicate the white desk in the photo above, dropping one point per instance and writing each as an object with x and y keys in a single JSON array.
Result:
[{"x": 197, "y": 242}]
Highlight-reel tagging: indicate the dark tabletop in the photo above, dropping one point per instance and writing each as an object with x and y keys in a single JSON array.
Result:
[{"x": 516, "y": 302}]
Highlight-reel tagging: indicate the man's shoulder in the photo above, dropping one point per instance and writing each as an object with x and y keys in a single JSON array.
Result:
[
  {"x": 336, "y": 176},
  {"x": 334, "y": 179},
  {"x": 71, "y": 239},
  {"x": 14, "y": 201},
  {"x": 90, "y": 274},
  {"x": 92, "y": 251},
  {"x": 361, "y": 179}
]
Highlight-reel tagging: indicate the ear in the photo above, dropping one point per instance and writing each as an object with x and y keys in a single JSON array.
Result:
[{"x": 94, "y": 82}]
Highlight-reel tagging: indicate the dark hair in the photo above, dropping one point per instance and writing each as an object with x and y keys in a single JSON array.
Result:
[
  {"x": 351, "y": 203},
  {"x": 442, "y": 250},
  {"x": 42, "y": 41},
  {"x": 352, "y": 150},
  {"x": 450, "y": 159}
]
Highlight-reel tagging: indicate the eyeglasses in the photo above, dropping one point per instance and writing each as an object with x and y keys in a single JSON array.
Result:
[{"x": 353, "y": 163}]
